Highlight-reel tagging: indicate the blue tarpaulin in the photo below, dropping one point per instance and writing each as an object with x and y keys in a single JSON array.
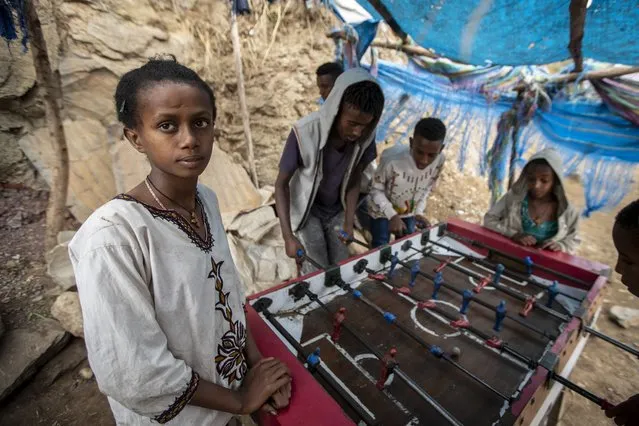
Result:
[
  {"x": 517, "y": 32},
  {"x": 593, "y": 141}
]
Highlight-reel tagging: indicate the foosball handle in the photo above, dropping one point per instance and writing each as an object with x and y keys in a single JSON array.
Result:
[
  {"x": 605, "y": 405},
  {"x": 345, "y": 236}
]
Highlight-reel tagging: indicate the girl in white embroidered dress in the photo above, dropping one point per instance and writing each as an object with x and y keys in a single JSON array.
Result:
[{"x": 161, "y": 298}]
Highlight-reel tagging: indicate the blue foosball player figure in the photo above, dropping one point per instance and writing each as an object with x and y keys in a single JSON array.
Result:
[
  {"x": 500, "y": 314},
  {"x": 529, "y": 265},
  {"x": 553, "y": 291},
  {"x": 313, "y": 360},
  {"x": 463, "y": 322},
  {"x": 498, "y": 271},
  {"x": 414, "y": 270},
  {"x": 394, "y": 262},
  {"x": 437, "y": 283}
]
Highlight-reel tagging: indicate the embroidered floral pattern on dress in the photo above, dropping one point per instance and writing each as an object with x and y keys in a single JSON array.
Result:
[
  {"x": 173, "y": 216},
  {"x": 230, "y": 360},
  {"x": 180, "y": 402}
]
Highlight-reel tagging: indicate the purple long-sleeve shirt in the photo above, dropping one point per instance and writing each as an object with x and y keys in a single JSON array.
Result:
[{"x": 335, "y": 163}]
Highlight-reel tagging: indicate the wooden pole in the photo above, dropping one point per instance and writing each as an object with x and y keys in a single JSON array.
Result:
[
  {"x": 237, "y": 53},
  {"x": 384, "y": 13},
  {"x": 410, "y": 49},
  {"x": 513, "y": 156},
  {"x": 577, "y": 22},
  {"x": 595, "y": 75},
  {"x": 52, "y": 91}
]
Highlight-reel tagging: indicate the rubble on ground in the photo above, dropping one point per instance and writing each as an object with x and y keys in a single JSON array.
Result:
[
  {"x": 66, "y": 309},
  {"x": 59, "y": 266},
  {"x": 86, "y": 373},
  {"x": 624, "y": 317}
]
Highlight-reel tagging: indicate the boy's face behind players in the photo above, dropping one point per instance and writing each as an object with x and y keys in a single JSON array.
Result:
[
  {"x": 627, "y": 245},
  {"x": 325, "y": 84},
  {"x": 424, "y": 151},
  {"x": 353, "y": 124}
]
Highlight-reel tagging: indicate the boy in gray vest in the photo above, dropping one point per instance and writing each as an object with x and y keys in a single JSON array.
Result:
[{"x": 318, "y": 185}]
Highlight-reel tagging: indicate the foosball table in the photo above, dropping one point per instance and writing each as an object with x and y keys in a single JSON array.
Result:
[{"x": 454, "y": 325}]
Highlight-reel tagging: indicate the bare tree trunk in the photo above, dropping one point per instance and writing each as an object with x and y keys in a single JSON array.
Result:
[
  {"x": 235, "y": 37},
  {"x": 50, "y": 84}
]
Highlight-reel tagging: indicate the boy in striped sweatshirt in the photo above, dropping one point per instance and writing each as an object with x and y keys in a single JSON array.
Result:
[{"x": 404, "y": 179}]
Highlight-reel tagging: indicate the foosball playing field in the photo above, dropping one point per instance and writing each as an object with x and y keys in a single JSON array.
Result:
[{"x": 437, "y": 328}]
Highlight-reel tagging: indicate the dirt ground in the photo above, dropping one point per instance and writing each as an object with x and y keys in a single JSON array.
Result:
[
  {"x": 602, "y": 368},
  {"x": 280, "y": 89}
]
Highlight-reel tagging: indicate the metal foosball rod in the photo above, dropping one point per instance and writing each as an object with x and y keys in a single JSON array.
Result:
[
  {"x": 455, "y": 290},
  {"x": 502, "y": 347},
  {"x": 529, "y": 301},
  {"x": 261, "y": 306},
  {"x": 490, "y": 265},
  {"x": 302, "y": 289},
  {"x": 564, "y": 318},
  {"x": 612, "y": 341},
  {"x": 520, "y": 321},
  {"x": 550, "y": 336},
  {"x": 516, "y": 259},
  {"x": 428, "y": 304},
  {"x": 391, "y": 319},
  {"x": 507, "y": 290}
]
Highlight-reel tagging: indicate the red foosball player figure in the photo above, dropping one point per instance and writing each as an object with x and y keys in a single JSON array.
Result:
[
  {"x": 530, "y": 303},
  {"x": 338, "y": 319},
  {"x": 483, "y": 283},
  {"x": 388, "y": 364}
]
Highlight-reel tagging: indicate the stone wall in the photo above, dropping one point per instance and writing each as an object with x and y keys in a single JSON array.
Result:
[{"x": 91, "y": 44}]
